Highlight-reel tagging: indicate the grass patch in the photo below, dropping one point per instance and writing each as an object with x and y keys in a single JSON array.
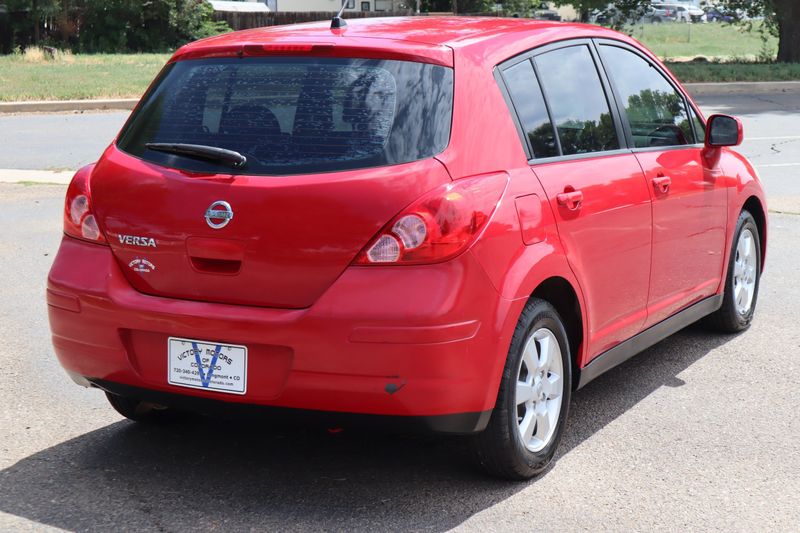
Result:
[
  {"x": 713, "y": 41},
  {"x": 35, "y": 76},
  {"x": 697, "y": 72},
  {"x": 26, "y": 183}
]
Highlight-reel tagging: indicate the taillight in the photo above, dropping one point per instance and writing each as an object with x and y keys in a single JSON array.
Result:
[
  {"x": 79, "y": 219},
  {"x": 438, "y": 226}
]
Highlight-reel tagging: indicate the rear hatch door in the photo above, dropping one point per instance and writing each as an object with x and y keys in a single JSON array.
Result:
[{"x": 335, "y": 147}]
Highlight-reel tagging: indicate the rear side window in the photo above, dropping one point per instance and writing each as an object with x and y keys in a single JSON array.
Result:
[
  {"x": 656, "y": 111},
  {"x": 577, "y": 100},
  {"x": 296, "y": 115},
  {"x": 530, "y": 107}
]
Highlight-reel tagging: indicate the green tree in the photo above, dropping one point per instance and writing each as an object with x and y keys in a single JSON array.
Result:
[
  {"x": 456, "y": 6},
  {"x": 583, "y": 7},
  {"x": 782, "y": 19},
  {"x": 624, "y": 11},
  {"x": 37, "y": 10}
]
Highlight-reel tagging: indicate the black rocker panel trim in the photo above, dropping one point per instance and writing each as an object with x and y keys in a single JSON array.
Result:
[{"x": 647, "y": 338}]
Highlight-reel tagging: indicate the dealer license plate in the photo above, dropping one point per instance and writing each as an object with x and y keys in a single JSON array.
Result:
[{"x": 207, "y": 365}]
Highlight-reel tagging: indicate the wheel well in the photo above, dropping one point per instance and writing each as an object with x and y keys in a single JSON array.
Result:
[
  {"x": 560, "y": 294},
  {"x": 754, "y": 207}
]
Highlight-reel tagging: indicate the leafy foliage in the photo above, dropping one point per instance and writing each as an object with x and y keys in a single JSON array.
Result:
[
  {"x": 781, "y": 17},
  {"x": 112, "y": 25},
  {"x": 620, "y": 13}
]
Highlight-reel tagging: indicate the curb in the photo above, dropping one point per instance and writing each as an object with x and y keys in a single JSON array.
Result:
[
  {"x": 67, "y": 105},
  {"x": 61, "y": 177},
  {"x": 127, "y": 104},
  {"x": 743, "y": 87}
]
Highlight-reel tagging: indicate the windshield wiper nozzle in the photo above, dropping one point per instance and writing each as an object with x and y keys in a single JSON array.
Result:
[{"x": 199, "y": 151}]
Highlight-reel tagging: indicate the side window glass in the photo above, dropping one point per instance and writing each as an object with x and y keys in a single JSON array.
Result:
[
  {"x": 529, "y": 104},
  {"x": 577, "y": 101},
  {"x": 699, "y": 127},
  {"x": 656, "y": 111}
]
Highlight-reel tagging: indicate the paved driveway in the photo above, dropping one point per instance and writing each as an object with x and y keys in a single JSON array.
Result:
[{"x": 699, "y": 432}]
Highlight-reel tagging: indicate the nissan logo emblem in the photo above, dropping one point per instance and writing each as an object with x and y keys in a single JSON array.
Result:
[{"x": 219, "y": 214}]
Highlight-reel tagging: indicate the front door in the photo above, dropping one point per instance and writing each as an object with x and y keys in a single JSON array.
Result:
[{"x": 689, "y": 199}]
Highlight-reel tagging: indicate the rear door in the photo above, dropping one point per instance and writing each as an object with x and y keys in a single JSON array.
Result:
[
  {"x": 594, "y": 185},
  {"x": 689, "y": 198}
]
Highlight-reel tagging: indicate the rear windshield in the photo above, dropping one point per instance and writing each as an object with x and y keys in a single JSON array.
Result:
[{"x": 295, "y": 115}]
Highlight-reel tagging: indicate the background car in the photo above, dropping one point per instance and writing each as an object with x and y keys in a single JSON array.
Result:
[
  {"x": 544, "y": 12},
  {"x": 657, "y": 13},
  {"x": 716, "y": 14}
]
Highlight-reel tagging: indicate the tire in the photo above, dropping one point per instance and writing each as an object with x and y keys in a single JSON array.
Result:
[
  {"x": 137, "y": 410},
  {"x": 735, "y": 315},
  {"x": 499, "y": 450}
]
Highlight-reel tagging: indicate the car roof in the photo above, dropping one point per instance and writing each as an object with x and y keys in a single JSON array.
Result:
[{"x": 431, "y": 32}]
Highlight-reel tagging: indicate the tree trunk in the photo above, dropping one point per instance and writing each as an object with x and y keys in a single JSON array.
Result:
[
  {"x": 788, "y": 15},
  {"x": 35, "y": 16}
]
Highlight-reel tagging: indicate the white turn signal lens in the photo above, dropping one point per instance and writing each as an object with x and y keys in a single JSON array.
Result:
[
  {"x": 77, "y": 208},
  {"x": 411, "y": 230},
  {"x": 385, "y": 250},
  {"x": 89, "y": 228}
]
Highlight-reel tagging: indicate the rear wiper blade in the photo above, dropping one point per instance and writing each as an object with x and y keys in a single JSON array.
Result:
[{"x": 200, "y": 151}]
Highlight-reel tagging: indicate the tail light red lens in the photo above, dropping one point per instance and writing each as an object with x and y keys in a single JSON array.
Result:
[
  {"x": 438, "y": 226},
  {"x": 79, "y": 219}
]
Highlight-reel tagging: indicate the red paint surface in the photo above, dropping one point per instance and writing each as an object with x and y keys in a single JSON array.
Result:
[{"x": 325, "y": 334}]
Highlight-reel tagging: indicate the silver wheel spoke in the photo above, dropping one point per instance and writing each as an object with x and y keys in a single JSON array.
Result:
[
  {"x": 746, "y": 237},
  {"x": 527, "y": 426},
  {"x": 542, "y": 424},
  {"x": 738, "y": 269},
  {"x": 529, "y": 357},
  {"x": 524, "y": 392},
  {"x": 551, "y": 386},
  {"x": 544, "y": 353}
]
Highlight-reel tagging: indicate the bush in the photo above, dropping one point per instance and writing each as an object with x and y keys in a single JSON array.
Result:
[{"x": 98, "y": 26}]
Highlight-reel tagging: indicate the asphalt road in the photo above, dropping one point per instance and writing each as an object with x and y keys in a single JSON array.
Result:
[
  {"x": 700, "y": 432},
  {"x": 67, "y": 141}
]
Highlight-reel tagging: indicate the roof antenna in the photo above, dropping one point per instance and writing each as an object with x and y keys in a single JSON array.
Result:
[{"x": 338, "y": 21}]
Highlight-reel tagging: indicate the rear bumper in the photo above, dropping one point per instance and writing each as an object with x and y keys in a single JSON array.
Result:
[{"x": 426, "y": 342}]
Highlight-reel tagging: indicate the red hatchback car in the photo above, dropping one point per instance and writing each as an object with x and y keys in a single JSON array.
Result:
[{"x": 449, "y": 223}]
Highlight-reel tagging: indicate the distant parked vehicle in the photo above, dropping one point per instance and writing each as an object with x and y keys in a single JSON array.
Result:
[
  {"x": 682, "y": 12},
  {"x": 657, "y": 13},
  {"x": 605, "y": 17},
  {"x": 543, "y": 12},
  {"x": 715, "y": 14}
]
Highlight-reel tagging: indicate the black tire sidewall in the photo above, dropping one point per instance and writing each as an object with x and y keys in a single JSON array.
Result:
[
  {"x": 544, "y": 316},
  {"x": 742, "y": 322}
]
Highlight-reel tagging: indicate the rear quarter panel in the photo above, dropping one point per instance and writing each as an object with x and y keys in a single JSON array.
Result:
[{"x": 484, "y": 139}]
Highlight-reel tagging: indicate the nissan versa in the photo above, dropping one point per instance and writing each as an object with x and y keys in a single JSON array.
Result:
[{"x": 447, "y": 223}]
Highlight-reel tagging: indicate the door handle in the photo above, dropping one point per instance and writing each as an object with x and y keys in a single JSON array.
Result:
[
  {"x": 662, "y": 183},
  {"x": 571, "y": 200}
]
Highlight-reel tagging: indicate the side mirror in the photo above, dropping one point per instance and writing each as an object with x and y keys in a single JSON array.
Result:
[{"x": 724, "y": 130}]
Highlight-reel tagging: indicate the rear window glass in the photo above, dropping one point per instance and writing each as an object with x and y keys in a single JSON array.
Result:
[{"x": 296, "y": 115}]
